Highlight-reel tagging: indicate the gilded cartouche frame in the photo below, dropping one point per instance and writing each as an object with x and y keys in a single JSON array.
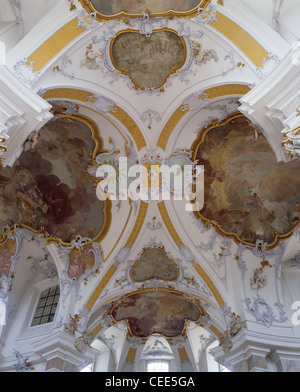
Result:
[{"x": 124, "y": 71}]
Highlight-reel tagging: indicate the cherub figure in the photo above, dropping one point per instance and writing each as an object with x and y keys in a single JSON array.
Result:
[{"x": 73, "y": 325}]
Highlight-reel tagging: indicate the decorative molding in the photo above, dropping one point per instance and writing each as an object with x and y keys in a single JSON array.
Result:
[
  {"x": 25, "y": 72},
  {"x": 22, "y": 112},
  {"x": 87, "y": 21},
  {"x": 292, "y": 142},
  {"x": 202, "y": 5}
]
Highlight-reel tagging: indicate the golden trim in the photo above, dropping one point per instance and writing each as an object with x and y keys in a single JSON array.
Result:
[
  {"x": 215, "y": 331},
  {"x": 118, "y": 113},
  {"x": 131, "y": 355},
  {"x": 130, "y": 242},
  {"x": 2, "y": 147},
  {"x": 99, "y": 328},
  {"x": 131, "y": 126},
  {"x": 120, "y": 236},
  {"x": 180, "y": 14},
  {"x": 169, "y": 225},
  {"x": 96, "y": 330},
  {"x": 95, "y": 131},
  {"x": 138, "y": 225},
  {"x": 124, "y": 71},
  {"x": 106, "y": 278},
  {"x": 183, "y": 354},
  {"x": 243, "y": 40},
  {"x": 53, "y": 45},
  {"x": 213, "y": 92},
  {"x": 145, "y": 250},
  {"x": 208, "y": 222},
  {"x": 209, "y": 283},
  {"x": 61, "y": 38},
  {"x": 160, "y": 289}
]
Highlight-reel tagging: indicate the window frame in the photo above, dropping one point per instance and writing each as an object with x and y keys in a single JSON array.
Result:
[
  {"x": 28, "y": 308},
  {"x": 33, "y": 317}
]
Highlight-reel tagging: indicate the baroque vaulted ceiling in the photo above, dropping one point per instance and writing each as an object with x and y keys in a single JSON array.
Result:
[{"x": 155, "y": 82}]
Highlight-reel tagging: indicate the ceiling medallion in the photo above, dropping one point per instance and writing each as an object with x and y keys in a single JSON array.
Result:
[
  {"x": 113, "y": 9},
  {"x": 148, "y": 61},
  {"x": 163, "y": 311},
  {"x": 243, "y": 184}
]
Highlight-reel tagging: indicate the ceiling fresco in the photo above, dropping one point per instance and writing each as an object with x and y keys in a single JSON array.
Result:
[
  {"x": 148, "y": 61},
  {"x": 248, "y": 194},
  {"x": 164, "y": 312},
  {"x": 133, "y": 7},
  {"x": 48, "y": 186},
  {"x": 154, "y": 264}
]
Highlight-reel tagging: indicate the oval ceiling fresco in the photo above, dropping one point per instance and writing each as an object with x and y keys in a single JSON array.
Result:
[
  {"x": 109, "y": 9},
  {"x": 163, "y": 311},
  {"x": 148, "y": 61},
  {"x": 48, "y": 186},
  {"x": 249, "y": 196}
]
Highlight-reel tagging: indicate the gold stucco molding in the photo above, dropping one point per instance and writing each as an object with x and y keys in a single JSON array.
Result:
[{"x": 88, "y": 6}]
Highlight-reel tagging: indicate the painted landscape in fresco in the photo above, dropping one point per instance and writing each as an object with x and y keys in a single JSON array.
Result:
[
  {"x": 112, "y": 7},
  {"x": 149, "y": 312},
  {"x": 247, "y": 191},
  {"x": 154, "y": 264},
  {"x": 148, "y": 61},
  {"x": 47, "y": 186}
]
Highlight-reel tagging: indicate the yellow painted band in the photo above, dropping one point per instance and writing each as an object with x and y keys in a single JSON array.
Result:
[
  {"x": 118, "y": 113},
  {"x": 57, "y": 42},
  {"x": 100, "y": 287},
  {"x": 171, "y": 229},
  {"x": 213, "y": 92},
  {"x": 131, "y": 355}
]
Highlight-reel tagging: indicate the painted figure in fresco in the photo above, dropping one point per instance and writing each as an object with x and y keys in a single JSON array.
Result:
[
  {"x": 156, "y": 312},
  {"x": 31, "y": 141},
  {"x": 79, "y": 262},
  {"x": 48, "y": 188}
]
